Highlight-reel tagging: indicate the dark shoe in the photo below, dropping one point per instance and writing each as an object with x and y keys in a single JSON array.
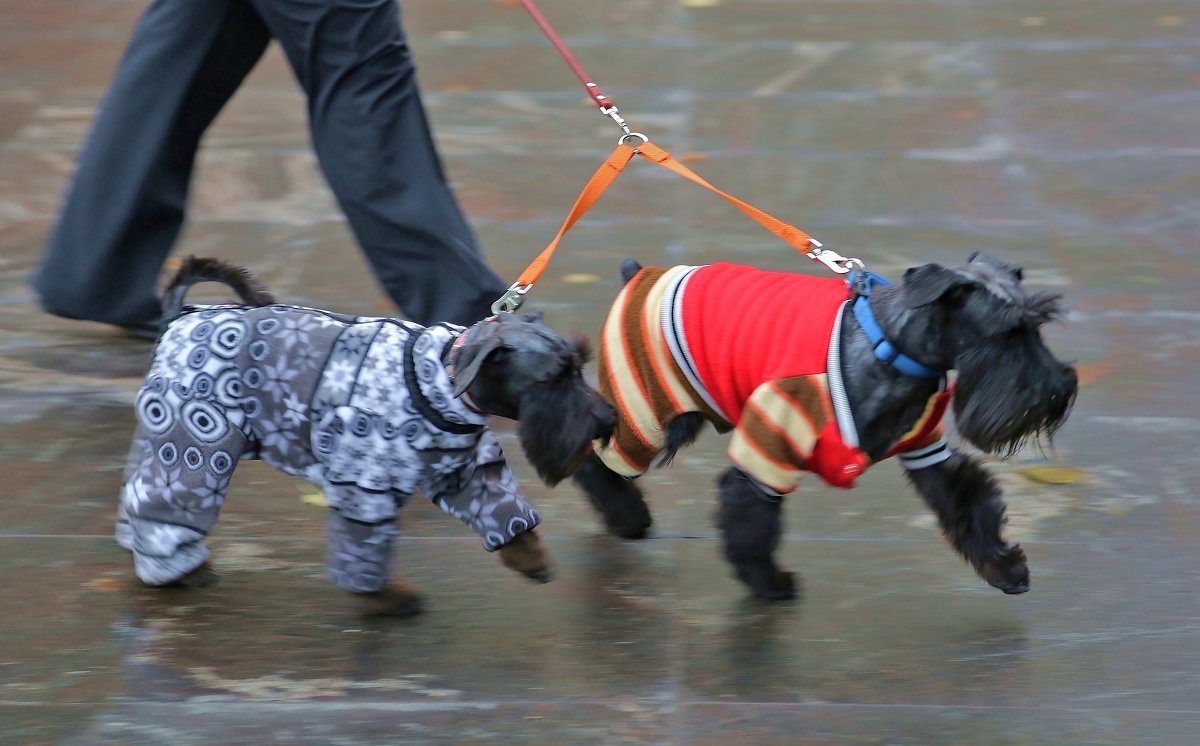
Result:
[{"x": 148, "y": 330}]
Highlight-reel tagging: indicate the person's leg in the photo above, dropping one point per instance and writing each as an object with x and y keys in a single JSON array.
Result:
[
  {"x": 374, "y": 146},
  {"x": 125, "y": 205}
]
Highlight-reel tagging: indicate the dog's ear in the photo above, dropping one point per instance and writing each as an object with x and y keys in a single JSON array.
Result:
[
  {"x": 930, "y": 283},
  {"x": 984, "y": 258},
  {"x": 472, "y": 358}
]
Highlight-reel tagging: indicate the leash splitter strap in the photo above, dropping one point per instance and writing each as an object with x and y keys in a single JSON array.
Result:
[
  {"x": 512, "y": 298},
  {"x": 596, "y": 186}
]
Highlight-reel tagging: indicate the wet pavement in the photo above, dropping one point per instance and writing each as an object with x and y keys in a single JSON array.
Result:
[{"x": 1059, "y": 136}]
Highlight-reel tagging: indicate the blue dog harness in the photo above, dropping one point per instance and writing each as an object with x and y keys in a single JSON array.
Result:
[{"x": 861, "y": 285}]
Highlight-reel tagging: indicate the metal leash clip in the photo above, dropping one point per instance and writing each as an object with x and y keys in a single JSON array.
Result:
[
  {"x": 833, "y": 260},
  {"x": 613, "y": 113},
  {"x": 511, "y": 300}
]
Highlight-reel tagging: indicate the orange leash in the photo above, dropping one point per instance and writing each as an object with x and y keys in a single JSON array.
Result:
[
  {"x": 607, "y": 174},
  {"x": 791, "y": 235}
]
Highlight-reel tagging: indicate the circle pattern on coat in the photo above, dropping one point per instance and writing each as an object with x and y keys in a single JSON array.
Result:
[
  {"x": 193, "y": 458},
  {"x": 253, "y": 377},
  {"x": 202, "y": 384},
  {"x": 221, "y": 463},
  {"x": 202, "y": 331},
  {"x": 197, "y": 358},
  {"x": 168, "y": 454},
  {"x": 203, "y": 421},
  {"x": 227, "y": 339},
  {"x": 229, "y": 387},
  {"x": 259, "y": 349},
  {"x": 153, "y": 412}
]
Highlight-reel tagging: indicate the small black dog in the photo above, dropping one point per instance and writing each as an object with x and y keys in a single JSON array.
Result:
[
  {"x": 817, "y": 375},
  {"x": 370, "y": 409}
]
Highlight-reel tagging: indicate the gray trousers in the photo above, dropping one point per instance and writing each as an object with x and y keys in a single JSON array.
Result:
[{"x": 125, "y": 206}]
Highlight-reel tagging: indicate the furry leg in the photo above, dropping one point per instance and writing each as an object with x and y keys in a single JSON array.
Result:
[
  {"x": 524, "y": 554},
  {"x": 619, "y": 500},
  {"x": 970, "y": 508},
  {"x": 751, "y": 525}
]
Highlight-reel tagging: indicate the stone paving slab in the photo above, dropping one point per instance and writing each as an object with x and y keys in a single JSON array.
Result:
[{"x": 1058, "y": 136}]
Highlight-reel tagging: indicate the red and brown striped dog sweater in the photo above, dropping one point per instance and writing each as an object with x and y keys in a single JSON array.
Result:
[{"x": 753, "y": 351}]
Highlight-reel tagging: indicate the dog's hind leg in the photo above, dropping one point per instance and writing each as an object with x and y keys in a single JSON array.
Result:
[
  {"x": 970, "y": 509},
  {"x": 618, "y": 500},
  {"x": 751, "y": 525},
  {"x": 174, "y": 488}
]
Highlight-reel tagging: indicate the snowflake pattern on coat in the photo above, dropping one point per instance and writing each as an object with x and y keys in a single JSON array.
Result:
[{"x": 317, "y": 395}]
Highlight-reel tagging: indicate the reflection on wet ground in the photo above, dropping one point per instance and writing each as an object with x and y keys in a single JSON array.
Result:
[{"x": 1059, "y": 137}]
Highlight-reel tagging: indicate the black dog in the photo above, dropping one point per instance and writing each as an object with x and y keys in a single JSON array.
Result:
[
  {"x": 822, "y": 376},
  {"x": 370, "y": 409}
]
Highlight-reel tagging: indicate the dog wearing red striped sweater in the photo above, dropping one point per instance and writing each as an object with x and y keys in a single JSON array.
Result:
[{"x": 825, "y": 376}]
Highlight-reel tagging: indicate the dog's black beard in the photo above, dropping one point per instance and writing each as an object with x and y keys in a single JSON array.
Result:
[
  {"x": 1010, "y": 391},
  {"x": 558, "y": 422}
]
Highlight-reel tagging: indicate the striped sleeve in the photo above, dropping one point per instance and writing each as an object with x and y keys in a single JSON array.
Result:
[
  {"x": 925, "y": 444},
  {"x": 777, "y": 432}
]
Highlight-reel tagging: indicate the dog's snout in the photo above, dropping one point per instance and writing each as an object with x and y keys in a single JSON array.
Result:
[{"x": 1068, "y": 382}]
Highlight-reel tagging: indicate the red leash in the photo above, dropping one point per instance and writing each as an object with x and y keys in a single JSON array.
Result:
[{"x": 607, "y": 107}]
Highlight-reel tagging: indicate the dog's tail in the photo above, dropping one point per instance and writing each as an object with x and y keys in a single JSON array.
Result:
[{"x": 200, "y": 269}]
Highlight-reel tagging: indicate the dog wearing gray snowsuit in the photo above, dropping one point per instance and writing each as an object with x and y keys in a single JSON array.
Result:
[{"x": 370, "y": 409}]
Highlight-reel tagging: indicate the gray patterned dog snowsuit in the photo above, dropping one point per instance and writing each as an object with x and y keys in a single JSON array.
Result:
[{"x": 361, "y": 406}]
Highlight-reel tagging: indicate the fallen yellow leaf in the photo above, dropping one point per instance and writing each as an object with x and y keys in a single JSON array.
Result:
[
  {"x": 1053, "y": 475},
  {"x": 314, "y": 498},
  {"x": 580, "y": 278},
  {"x": 699, "y": 3}
]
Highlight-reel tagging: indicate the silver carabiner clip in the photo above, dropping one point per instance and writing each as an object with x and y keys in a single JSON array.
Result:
[
  {"x": 511, "y": 300},
  {"x": 615, "y": 114},
  {"x": 833, "y": 260}
]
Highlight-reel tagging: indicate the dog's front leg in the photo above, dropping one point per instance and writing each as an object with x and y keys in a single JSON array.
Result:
[
  {"x": 524, "y": 554},
  {"x": 358, "y": 558},
  {"x": 489, "y": 500},
  {"x": 751, "y": 525},
  {"x": 970, "y": 508},
  {"x": 618, "y": 500}
]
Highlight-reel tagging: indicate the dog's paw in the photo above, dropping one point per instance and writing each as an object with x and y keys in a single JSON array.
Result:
[
  {"x": 397, "y": 599},
  {"x": 540, "y": 574},
  {"x": 628, "y": 527},
  {"x": 202, "y": 577},
  {"x": 1009, "y": 571},
  {"x": 525, "y": 555},
  {"x": 768, "y": 583}
]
